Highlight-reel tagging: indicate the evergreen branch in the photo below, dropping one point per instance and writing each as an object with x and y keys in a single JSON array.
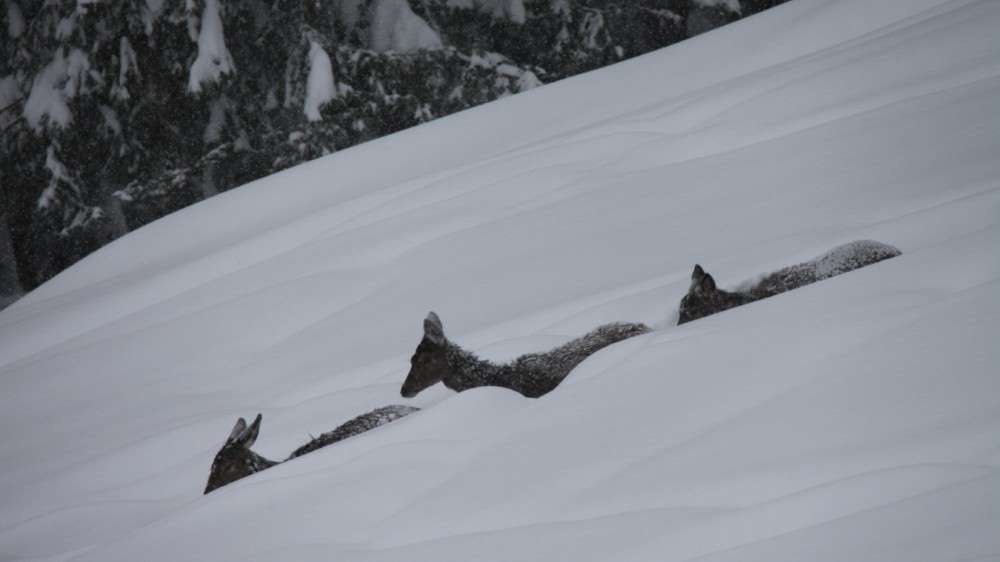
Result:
[
  {"x": 11, "y": 125},
  {"x": 12, "y": 104}
]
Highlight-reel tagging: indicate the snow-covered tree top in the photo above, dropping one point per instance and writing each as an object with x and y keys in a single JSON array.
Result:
[
  {"x": 508, "y": 9},
  {"x": 320, "y": 83},
  {"x": 213, "y": 58},
  {"x": 395, "y": 27},
  {"x": 54, "y": 87},
  {"x": 731, "y": 5}
]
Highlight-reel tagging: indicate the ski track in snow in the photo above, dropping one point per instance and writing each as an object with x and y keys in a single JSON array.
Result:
[{"x": 857, "y": 418}]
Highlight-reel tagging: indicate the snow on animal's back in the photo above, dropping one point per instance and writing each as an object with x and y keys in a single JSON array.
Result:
[{"x": 851, "y": 256}]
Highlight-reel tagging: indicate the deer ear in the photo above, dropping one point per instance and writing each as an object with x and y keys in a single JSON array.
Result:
[
  {"x": 245, "y": 436},
  {"x": 433, "y": 330},
  {"x": 248, "y": 437},
  {"x": 239, "y": 428},
  {"x": 707, "y": 284},
  {"x": 698, "y": 273},
  {"x": 696, "y": 278}
]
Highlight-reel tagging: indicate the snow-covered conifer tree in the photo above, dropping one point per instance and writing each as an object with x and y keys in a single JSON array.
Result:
[{"x": 117, "y": 112}]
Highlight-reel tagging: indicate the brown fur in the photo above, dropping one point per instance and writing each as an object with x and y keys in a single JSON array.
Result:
[
  {"x": 704, "y": 298},
  {"x": 235, "y": 460},
  {"x": 534, "y": 374}
]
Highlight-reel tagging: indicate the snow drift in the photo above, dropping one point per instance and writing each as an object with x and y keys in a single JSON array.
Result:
[{"x": 854, "y": 419}]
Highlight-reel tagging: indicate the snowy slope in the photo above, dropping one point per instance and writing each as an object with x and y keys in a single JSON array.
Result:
[{"x": 854, "y": 419}]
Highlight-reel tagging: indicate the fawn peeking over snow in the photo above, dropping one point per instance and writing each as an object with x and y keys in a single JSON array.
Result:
[
  {"x": 704, "y": 298},
  {"x": 439, "y": 360},
  {"x": 235, "y": 460}
]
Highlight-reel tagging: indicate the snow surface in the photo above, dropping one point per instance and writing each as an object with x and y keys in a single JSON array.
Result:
[
  {"x": 320, "y": 85},
  {"x": 213, "y": 58},
  {"x": 854, "y": 419}
]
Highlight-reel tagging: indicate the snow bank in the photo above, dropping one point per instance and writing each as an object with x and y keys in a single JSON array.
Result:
[{"x": 857, "y": 418}]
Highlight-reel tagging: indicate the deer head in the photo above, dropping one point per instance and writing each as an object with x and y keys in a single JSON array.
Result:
[
  {"x": 704, "y": 298},
  {"x": 235, "y": 460},
  {"x": 429, "y": 363}
]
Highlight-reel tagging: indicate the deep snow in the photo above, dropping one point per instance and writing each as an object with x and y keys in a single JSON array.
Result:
[{"x": 854, "y": 419}]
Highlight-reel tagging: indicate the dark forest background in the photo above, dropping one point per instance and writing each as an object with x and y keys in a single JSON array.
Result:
[{"x": 114, "y": 113}]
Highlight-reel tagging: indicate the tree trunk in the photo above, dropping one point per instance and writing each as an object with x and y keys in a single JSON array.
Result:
[
  {"x": 208, "y": 187},
  {"x": 117, "y": 226},
  {"x": 10, "y": 287}
]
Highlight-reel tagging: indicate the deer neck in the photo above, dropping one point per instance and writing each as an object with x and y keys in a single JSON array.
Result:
[
  {"x": 257, "y": 463},
  {"x": 466, "y": 370}
]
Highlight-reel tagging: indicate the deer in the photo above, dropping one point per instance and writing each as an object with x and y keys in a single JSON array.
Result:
[
  {"x": 704, "y": 298},
  {"x": 533, "y": 375},
  {"x": 235, "y": 460}
]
